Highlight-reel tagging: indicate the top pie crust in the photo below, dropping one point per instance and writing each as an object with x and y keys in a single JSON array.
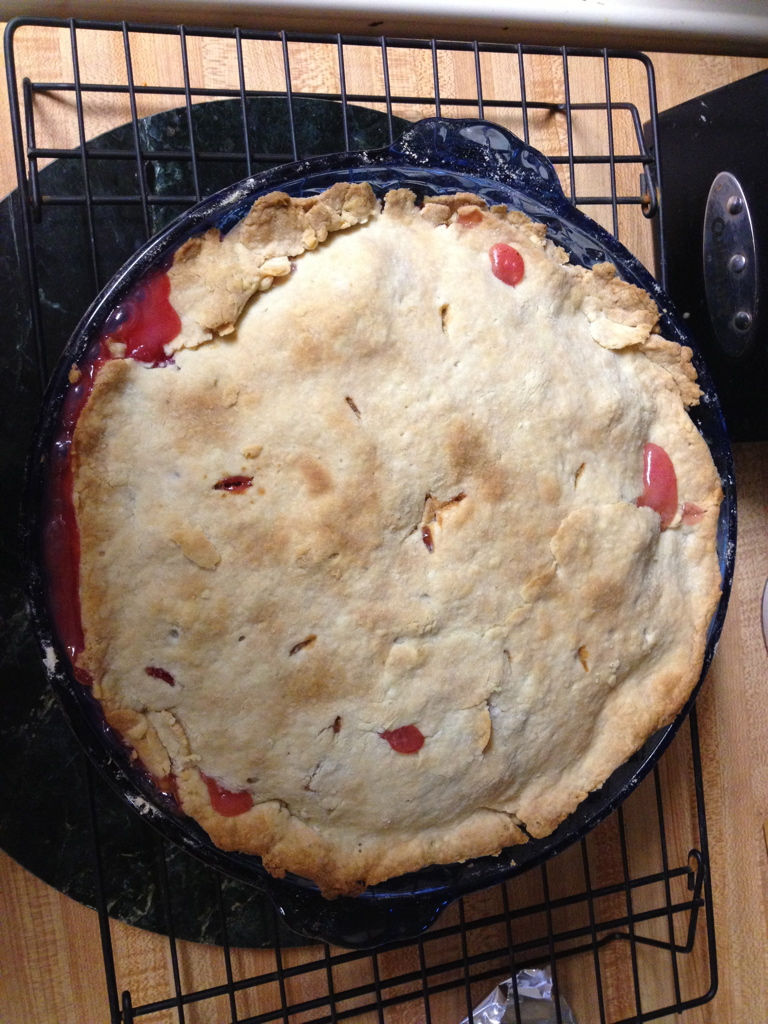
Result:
[{"x": 391, "y": 384}]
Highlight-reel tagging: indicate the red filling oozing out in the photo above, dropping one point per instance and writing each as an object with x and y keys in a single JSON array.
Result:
[
  {"x": 469, "y": 218},
  {"x": 408, "y": 739},
  {"x": 659, "y": 484},
  {"x": 233, "y": 484},
  {"x": 144, "y": 322},
  {"x": 506, "y": 263},
  {"x": 60, "y": 539},
  {"x": 225, "y": 801}
]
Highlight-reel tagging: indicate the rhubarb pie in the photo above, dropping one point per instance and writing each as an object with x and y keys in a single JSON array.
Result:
[{"x": 396, "y": 538}]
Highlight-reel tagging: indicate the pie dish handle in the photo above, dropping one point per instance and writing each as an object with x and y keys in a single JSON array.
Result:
[
  {"x": 357, "y": 922},
  {"x": 481, "y": 149}
]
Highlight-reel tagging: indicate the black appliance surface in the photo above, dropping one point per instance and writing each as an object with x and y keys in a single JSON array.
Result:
[{"x": 725, "y": 130}]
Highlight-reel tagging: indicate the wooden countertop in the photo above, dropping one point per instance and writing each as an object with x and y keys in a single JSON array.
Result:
[{"x": 50, "y": 954}]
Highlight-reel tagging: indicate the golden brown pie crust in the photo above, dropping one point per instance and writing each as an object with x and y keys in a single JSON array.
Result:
[{"x": 441, "y": 530}]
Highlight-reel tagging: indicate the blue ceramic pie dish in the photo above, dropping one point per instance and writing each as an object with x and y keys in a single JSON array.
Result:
[{"x": 432, "y": 157}]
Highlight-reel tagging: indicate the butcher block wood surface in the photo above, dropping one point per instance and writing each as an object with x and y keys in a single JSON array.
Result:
[{"x": 50, "y": 952}]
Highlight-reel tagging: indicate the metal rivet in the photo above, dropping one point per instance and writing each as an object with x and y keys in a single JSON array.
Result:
[
  {"x": 742, "y": 321},
  {"x": 735, "y": 204},
  {"x": 737, "y": 263}
]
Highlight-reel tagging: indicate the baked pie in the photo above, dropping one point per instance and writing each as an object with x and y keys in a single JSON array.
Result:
[{"x": 396, "y": 538}]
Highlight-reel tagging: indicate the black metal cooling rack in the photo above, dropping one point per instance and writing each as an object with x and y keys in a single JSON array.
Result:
[{"x": 625, "y": 905}]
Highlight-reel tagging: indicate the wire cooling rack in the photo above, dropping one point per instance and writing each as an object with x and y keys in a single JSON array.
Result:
[{"x": 623, "y": 919}]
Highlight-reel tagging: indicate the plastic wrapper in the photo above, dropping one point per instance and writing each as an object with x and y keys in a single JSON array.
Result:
[{"x": 535, "y": 999}]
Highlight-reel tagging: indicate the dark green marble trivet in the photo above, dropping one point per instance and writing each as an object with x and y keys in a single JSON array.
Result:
[{"x": 45, "y": 823}]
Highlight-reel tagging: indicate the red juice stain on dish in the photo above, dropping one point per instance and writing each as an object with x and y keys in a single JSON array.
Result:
[
  {"x": 61, "y": 551},
  {"x": 408, "y": 739},
  {"x": 233, "y": 484},
  {"x": 60, "y": 536},
  {"x": 144, "y": 322},
  {"x": 225, "y": 801},
  {"x": 506, "y": 263},
  {"x": 659, "y": 484},
  {"x": 160, "y": 673}
]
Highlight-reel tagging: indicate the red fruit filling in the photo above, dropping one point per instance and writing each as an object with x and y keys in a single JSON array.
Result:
[
  {"x": 83, "y": 676},
  {"x": 61, "y": 538},
  {"x": 160, "y": 673},
  {"x": 225, "y": 801},
  {"x": 233, "y": 484},
  {"x": 506, "y": 263},
  {"x": 146, "y": 321},
  {"x": 408, "y": 739},
  {"x": 659, "y": 484}
]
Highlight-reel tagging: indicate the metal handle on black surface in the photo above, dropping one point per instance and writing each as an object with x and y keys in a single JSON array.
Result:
[{"x": 730, "y": 266}]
